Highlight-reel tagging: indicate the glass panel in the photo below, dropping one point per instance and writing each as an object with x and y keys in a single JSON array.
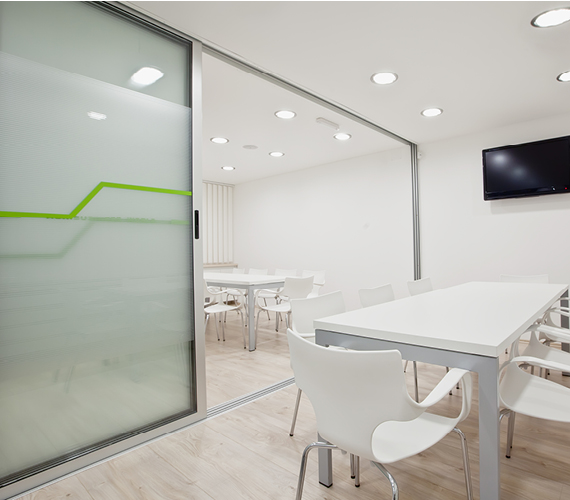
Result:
[{"x": 96, "y": 319}]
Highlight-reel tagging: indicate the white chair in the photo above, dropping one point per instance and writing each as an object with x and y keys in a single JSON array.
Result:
[
  {"x": 223, "y": 307},
  {"x": 420, "y": 286},
  {"x": 272, "y": 293},
  {"x": 318, "y": 283},
  {"x": 527, "y": 394},
  {"x": 303, "y": 313},
  {"x": 378, "y": 295},
  {"x": 294, "y": 288},
  {"x": 379, "y": 421}
]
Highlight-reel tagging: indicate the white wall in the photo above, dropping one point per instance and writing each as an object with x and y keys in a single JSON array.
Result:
[
  {"x": 466, "y": 238},
  {"x": 351, "y": 218}
]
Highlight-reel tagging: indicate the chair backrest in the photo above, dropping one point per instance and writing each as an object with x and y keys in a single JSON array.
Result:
[
  {"x": 420, "y": 286},
  {"x": 373, "y": 296},
  {"x": 515, "y": 278},
  {"x": 305, "y": 311},
  {"x": 319, "y": 276},
  {"x": 296, "y": 288},
  {"x": 352, "y": 392},
  {"x": 237, "y": 270},
  {"x": 285, "y": 272},
  {"x": 260, "y": 272}
]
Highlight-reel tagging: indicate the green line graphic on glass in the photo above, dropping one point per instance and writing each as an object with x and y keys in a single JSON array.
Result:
[{"x": 92, "y": 195}]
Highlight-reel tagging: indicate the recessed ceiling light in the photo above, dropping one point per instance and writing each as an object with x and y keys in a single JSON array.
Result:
[
  {"x": 146, "y": 76},
  {"x": 285, "y": 115},
  {"x": 96, "y": 116},
  {"x": 384, "y": 78},
  {"x": 550, "y": 18},
  {"x": 431, "y": 112},
  {"x": 564, "y": 77},
  {"x": 341, "y": 136},
  {"x": 276, "y": 154},
  {"x": 250, "y": 146},
  {"x": 219, "y": 140},
  {"x": 228, "y": 167}
]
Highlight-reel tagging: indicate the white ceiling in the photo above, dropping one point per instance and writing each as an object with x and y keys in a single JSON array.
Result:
[{"x": 481, "y": 62}]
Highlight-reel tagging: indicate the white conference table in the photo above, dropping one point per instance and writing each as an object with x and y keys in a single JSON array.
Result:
[
  {"x": 249, "y": 282},
  {"x": 467, "y": 326}
]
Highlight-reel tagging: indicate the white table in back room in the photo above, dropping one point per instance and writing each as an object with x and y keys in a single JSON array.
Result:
[
  {"x": 249, "y": 282},
  {"x": 466, "y": 326}
]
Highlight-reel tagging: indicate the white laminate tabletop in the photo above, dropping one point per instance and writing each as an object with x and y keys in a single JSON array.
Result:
[
  {"x": 242, "y": 279},
  {"x": 476, "y": 317}
]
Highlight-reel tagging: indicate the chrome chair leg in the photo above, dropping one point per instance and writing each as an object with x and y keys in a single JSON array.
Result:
[
  {"x": 243, "y": 325},
  {"x": 356, "y": 461},
  {"x": 303, "y": 470},
  {"x": 299, "y": 392},
  {"x": 510, "y": 433},
  {"x": 395, "y": 492},
  {"x": 352, "y": 473},
  {"x": 466, "y": 466},
  {"x": 416, "y": 380}
]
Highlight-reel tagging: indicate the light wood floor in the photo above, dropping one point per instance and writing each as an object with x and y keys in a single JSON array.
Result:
[{"x": 248, "y": 454}]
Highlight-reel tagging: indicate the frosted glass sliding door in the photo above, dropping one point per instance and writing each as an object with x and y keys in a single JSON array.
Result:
[{"x": 96, "y": 299}]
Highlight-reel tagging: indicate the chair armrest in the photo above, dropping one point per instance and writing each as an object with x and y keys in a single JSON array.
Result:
[
  {"x": 554, "y": 333},
  {"x": 541, "y": 363},
  {"x": 445, "y": 385}
]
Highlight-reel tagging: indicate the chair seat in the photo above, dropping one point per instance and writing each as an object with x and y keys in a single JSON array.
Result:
[
  {"x": 393, "y": 441},
  {"x": 220, "y": 308},
  {"x": 530, "y": 395},
  {"x": 284, "y": 307}
]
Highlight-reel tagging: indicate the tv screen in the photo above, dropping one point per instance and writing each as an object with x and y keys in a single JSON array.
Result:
[{"x": 530, "y": 169}]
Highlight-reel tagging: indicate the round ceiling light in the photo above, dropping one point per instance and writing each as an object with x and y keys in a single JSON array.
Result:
[
  {"x": 285, "y": 115},
  {"x": 431, "y": 112},
  {"x": 384, "y": 78},
  {"x": 219, "y": 140},
  {"x": 341, "y": 136},
  {"x": 249, "y": 146},
  {"x": 550, "y": 18},
  {"x": 276, "y": 154},
  {"x": 564, "y": 77},
  {"x": 228, "y": 167}
]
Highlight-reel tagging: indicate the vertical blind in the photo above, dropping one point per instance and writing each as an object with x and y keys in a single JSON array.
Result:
[{"x": 217, "y": 215}]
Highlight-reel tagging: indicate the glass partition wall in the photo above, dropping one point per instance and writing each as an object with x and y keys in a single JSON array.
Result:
[{"x": 97, "y": 321}]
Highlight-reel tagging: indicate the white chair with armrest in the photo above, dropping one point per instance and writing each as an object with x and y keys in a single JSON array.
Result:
[{"x": 380, "y": 421}]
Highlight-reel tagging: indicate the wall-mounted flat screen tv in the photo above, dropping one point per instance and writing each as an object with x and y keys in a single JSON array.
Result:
[{"x": 531, "y": 169}]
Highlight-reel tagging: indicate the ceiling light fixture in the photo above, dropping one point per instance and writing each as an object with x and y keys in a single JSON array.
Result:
[
  {"x": 219, "y": 140},
  {"x": 276, "y": 154},
  {"x": 384, "y": 78},
  {"x": 341, "y": 136},
  {"x": 550, "y": 18},
  {"x": 564, "y": 77},
  {"x": 249, "y": 146},
  {"x": 285, "y": 115},
  {"x": 96, "y": 116},
  {"x": 147, "y": 76},
  {"x": 431, "y": 112},
  {"x": 228, "y": 167},
  {"x": 327, "y": 123}
]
